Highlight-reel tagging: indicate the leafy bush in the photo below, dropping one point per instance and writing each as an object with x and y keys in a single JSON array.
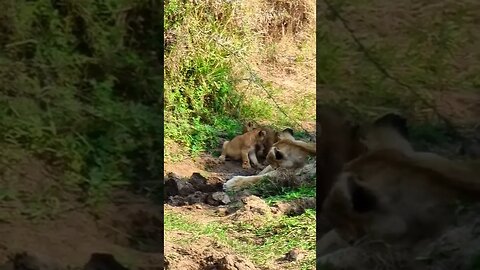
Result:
[{"x": 81, "y": 86}]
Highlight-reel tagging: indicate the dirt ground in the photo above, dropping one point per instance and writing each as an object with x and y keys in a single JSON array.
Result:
[
  {"x": 66, "y": 234},
  {"x": 204, "y": 253},
  {"x": 203, "y": 201}
]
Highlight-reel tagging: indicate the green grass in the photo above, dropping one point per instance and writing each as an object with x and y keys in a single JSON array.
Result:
[
  {"x": 276, "y": 237},
  {"x": 292, "y": 194},
  {"x": 203, "y": 65},
  {"x": 209, "y": 93},
  {"x": 427, "y": 62},
  {"x": 79, "y": 92}
]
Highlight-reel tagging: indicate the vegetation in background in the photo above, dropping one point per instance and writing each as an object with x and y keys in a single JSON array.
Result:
[
  {"x": 211, "y": 84},
  {"x": 228, "y": 62},
  {"x": 81, "y": 88},
  {"x": 272, "y": 240},
  {"x": 433, "y": 50}
]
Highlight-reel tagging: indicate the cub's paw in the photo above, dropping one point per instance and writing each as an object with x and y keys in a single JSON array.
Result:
[{"x": 246, "y": 165}]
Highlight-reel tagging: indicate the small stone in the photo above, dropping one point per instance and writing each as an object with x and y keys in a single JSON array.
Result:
[
  {"x": 221, "y": 196},
  {"x": 222, "y": 211},
  {"x": 174, "y": 185},
  {"x": 198, "y": 181},
  {"x": 177, "y": 200},
  {"x": 197, "y": 197},
  {"x": 294, "y": 255}
]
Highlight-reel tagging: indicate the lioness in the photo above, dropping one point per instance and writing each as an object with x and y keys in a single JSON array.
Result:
[
  {"x": 394, "y": 193},
  {"x": 339, "y": 142},
  {"x": 287, "y": 153}
]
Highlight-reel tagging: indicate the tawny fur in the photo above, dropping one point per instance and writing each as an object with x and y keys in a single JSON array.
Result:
[
  {"x": 396, "y": 194},
  {"x": 287, "y": 153},
  {"x": 243, "y": 147},
  {"x": 270, "y": 138},
  {"x": 339, "y": 142},
  {"x": 290, "y": 154}
]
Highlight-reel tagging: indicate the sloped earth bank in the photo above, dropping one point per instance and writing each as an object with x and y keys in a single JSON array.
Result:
[
  {"x": 124, "y": 234},
  {"x": 44, "y": 227},
  {"x": 200, "y": 199}
]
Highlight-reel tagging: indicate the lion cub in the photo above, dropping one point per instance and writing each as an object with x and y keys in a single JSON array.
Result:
[
  {"x": 271, "y": 137},
  {"x": 243, "y": 147}
]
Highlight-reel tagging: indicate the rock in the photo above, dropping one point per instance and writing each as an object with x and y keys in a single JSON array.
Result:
[
  {"x": 197, "y": 197},
  {"x": 186, "y": 189},
  {"x": 177, "y": 201},
  {"x": 218, "y": 198},
  {"x": 103, "y": 261},
  {"x": 199, "y": 182},
  {"x": 174, "y": 185},
  {"x": 295, "y": 255},
  {"x": 208, "y": 185}
]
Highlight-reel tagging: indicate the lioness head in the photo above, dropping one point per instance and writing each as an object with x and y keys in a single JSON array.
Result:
[
  {"x": 394, "y": 197},
  {"x": 388, "y": 131},
  {"x": 347, "y": 207},
  {"x": 290, "y": 154},
  {"x": 286, "y": 134}
]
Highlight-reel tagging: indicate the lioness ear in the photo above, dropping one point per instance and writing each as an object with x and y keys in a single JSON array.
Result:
[
  {"x": 278, "y": 154},
  {"x": 262, "y": 134},
  {"x": 288, "y": 130},
  {"x": 394, "y": 120},
  {"x": 363, "y": 199}
]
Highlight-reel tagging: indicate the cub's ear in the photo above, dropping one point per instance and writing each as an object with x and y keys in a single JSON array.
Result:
[
  {"x": 288, "y": 130},
  {"x": 363, "y": 200},
  {"x": 262, "y": 134},
  {"x": 249, "y": 126},
  {"x": 278, "y": 154}
]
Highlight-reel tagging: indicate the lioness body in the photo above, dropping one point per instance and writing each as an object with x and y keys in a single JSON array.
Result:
[
  {"x": 395, "y": 193},
  {"x": 286, "y": 153}
]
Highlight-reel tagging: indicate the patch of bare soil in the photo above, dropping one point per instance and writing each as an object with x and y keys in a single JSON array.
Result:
[
  {"x": 462, "y": 106},
  {"x": 132, "y": 233},
  {"x": 296, "y": 207},
  {"x": 202, "y": 254},
  {"x": 200, "y": 199},
  {"x": 126, "y": 231}
]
